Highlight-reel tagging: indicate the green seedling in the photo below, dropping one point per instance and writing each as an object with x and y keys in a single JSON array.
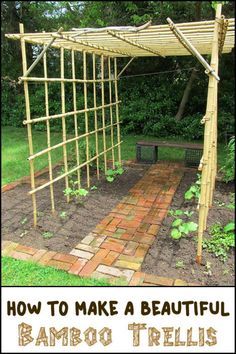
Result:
[
  {"x": 24, "y": 221},
  {"x": 111, "y": 174},
  {"x": 93, "y": 188},
  {"x": 47, "y": 235},
  {"x": 179, "y": 264},
  {"x": 63, "y": 214},
  {"x": 194, "y": 190}
]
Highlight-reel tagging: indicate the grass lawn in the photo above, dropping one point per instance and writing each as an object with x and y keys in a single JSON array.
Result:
[
  {"x": 24, "y": 273},
  {"x": 15, "y": 165},
  {"x": 15, "y": 151}
]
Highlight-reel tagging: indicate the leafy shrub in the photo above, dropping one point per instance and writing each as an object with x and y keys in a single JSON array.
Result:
[
  {"x": 221, "y": 241},
  {"x": 228, "y": 168}
]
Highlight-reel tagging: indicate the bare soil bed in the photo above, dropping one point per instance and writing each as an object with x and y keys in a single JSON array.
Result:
[
  {"x": 166, "y": 254},
  {"x": 71, "y": 222}
]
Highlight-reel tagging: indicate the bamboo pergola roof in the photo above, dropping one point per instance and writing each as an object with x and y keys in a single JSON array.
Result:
[{"x": 158, "y": 40}]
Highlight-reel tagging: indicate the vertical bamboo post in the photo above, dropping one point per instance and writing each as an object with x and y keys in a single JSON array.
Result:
[
  {"x": 117, "y": 110},
  {"x": 63, "y": 110},
  {"x": 111, "y": 113},
  {"x": 86, "y": 115},
  {"x": 95, "y": 112},
  {"x": 209, "y": 123},
  {"x": 103, "y": 114},
  {"x": 29, "y": 128},
  {"x": 75, "y": 116},
  {"x": 48, "y": 130}
]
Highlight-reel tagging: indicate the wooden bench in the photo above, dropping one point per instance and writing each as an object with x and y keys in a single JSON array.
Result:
[{"x": 193, "y": 152}]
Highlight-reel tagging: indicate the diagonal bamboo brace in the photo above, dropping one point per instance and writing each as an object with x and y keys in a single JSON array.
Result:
[
  {"x": 39, "y": 57},
  {"x": 188, "y": 45}
]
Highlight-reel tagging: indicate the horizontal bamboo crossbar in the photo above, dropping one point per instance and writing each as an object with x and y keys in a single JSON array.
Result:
[
  {"x": 63, "y": 143},
  {"x": 72, "y": 170},
  {"x": 58, "y": 79},
  {"x": 67, "y": 114}
]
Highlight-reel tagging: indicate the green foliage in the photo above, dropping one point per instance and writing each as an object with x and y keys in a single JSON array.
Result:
[
  {"x": 111, "y": 174},
  {"x": 179, "y": 264},
  {"x": 228, "y": 168},
  {"x": 194, "y": 190},
  {"x": 221, "y": 241},
  {"x": 74, "y": 191},
  {"x": 179, "y": 227},
  {"x": 63, "y": 214},
  {"x": 47, "y": 234}
]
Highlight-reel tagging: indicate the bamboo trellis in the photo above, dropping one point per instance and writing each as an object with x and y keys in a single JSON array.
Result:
[
  {"x": 103, "y": 47},
  {"x": 108, "y": 123}
]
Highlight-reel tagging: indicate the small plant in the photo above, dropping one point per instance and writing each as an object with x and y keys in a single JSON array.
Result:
[
  {"x": 208, "y": 269},
  {"x": 231, "y": 205},
  {"x": 194, "y": 190},
  {"x": 93, "y": 188},
  {"x": 24, "y": 221},
  {"x": 221, "y": 241},
  {"x": 47, "y": 234},
  {"x": 76, "y": 192},
  {"x": 179, "y": 264},
  {"x": 226, "y": 271},
  {"x": 112, "y": 173},
  {"x": 63, "y": 214},
  {"x": 179, "y": 227}
]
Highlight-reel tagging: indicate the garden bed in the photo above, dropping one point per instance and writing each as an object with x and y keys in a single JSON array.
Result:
[
  {"x": 176, "y": 258},
  {"x": 71, "y": 222}
]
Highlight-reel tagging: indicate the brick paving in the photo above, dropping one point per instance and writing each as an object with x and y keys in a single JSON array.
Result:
[{"x": 117, "y": 246}]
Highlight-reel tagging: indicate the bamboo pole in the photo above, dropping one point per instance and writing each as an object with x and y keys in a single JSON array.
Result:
[
  {"x": 48, "y": 133},
  {"x": 58, "y": 79},
  {"x": 135, "y": 44},
  {"x": 103, "y": 113},
  {"x": 40, "y": 56},
  {"x": 117, "y": 109},
  {"x": 95, "y": 113},
  {"x": 87, "y": 44},
  {"x": 86, "y": 115},
  {"x": 212, "y": 95},
  {"x": 31, "y": 157},
  {"x": 111, "y": 113},
  {"x": 42, "y": 119},
  {"x": 33, "y": 191},
  {"x": 188, "y": 45},
  {"x": 125, "y": 67},
  {"x": 63, "y": 108},
  {"x": 29, "y": 129},
  {"x": 75, "y": 116}
]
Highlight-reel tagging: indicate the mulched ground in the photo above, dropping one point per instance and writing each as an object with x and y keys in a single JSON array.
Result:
[
  {"x": 165, "y": 252},
  {"x": 71, "y": 222}
]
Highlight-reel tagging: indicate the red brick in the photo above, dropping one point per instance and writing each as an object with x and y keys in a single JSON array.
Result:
[
  {"x": 77, "y": 266},
  {"x": 110, "y": 258},
  {"x": 59, "y": 265},
  {"x": 9, "y": 248},
  {"x": 141, "y": 250},
  {"x": 20, "y": 255},
  {"x": 38, "y": 255},
  {"x": 26, "y": 249},
  {"x": 153, "y": 279},
  {"x": 153, "y": 229},
  {"x": 130, "y": 248},
  {"x": 47, "y": 257},
  {"x": 68, "y": 258},
  {"x": 113, "y": 244},
  {"x": 92, "y": 264},
  {"x": 126, "y": 236},
  {"x": 137, "y": 279},
  {"x": 129, "y": 223}
]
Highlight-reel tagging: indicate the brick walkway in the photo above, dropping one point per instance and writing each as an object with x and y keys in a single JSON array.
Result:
[{"x": 116, "y": 248}]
